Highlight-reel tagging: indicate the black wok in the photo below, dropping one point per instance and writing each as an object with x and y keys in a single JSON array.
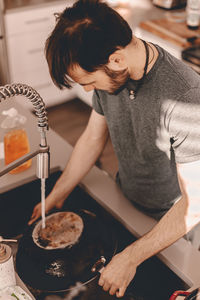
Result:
[{"x": 59, "y": 269}]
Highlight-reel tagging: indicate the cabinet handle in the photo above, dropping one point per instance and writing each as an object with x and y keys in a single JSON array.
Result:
[
  {"x": 33, "y": 51},
  {"x": 41, "y": 86},
  {"x": 37, "y": 21}
]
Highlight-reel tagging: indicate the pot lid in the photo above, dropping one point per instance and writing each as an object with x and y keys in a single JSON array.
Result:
[{"x": 46, "y": 262}]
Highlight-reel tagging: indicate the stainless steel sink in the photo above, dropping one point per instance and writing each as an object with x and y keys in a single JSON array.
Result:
[{"x": 153, "y": 281}]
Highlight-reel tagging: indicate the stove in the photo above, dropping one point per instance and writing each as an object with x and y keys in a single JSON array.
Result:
[{"x": 153, "y": 281}]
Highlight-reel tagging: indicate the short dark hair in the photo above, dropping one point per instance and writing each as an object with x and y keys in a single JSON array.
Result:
[{"x": 86, "y": 34}]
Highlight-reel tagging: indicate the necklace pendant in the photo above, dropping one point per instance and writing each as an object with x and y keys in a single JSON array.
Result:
[{"x": 131, "y": 94}]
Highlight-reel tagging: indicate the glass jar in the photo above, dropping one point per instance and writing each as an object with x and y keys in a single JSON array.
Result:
[{"x": 16, "y": 143}]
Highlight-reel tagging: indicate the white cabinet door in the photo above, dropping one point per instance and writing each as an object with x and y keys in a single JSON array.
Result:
[
  {"x": 26, "y": 34},
  {"x": 26, "y": 52}
]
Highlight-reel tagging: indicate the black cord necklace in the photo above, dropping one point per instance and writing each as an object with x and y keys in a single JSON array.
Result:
[
  {"x": 153, "y": 54},
  {"x": 133, "y": 93}
]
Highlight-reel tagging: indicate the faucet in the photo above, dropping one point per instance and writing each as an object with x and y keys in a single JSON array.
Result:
[{"x": 43, "y": 154}]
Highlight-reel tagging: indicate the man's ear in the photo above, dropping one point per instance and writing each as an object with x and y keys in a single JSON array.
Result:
[{"x": 116, "y": 61}]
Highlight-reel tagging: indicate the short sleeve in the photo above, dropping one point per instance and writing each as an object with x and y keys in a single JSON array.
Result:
[
  {"x": 184, "y": 127},
  {"x": 96, "y": 103}
]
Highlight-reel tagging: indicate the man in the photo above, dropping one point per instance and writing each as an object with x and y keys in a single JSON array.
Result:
[{"x": 149, "y": 102}]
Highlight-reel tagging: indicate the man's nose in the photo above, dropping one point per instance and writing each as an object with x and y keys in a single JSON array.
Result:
[{"x": 88, "y": 88}]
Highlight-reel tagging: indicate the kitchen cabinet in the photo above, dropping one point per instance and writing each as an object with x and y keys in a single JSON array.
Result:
[{"x": 26, "y": 30}]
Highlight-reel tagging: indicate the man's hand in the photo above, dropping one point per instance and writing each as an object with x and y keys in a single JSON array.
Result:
[
  {"x": 49, "y": 204},
  {"x": 117, "y": 275},
  {"x": 36, "y": 214}
]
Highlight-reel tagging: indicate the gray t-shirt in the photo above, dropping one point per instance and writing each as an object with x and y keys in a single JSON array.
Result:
[{"x": 159, "y": 127}]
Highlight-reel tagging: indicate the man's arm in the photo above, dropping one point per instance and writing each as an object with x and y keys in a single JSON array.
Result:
[
  {"x": 182, "y": 217},
  {"x": 85, "y": 153}
]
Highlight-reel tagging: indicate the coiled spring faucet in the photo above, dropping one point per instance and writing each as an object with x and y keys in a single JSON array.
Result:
[{"x": 43, "y": 155}]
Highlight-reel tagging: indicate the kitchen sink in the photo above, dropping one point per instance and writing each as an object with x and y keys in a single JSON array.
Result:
[
  {"x": 153, "y": 281},
  {"x": 16, "y": 205}
]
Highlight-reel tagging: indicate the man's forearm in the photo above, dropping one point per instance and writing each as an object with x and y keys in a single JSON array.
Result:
[
  {"x": 117, "y": 275},
  {"x": 170, "y": 228},
  {"x": 84, "y": 156},
  {"x": 181, "y": 218}
]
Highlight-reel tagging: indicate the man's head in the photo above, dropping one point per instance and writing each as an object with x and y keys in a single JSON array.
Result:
[{"x": 85, "y": 38}]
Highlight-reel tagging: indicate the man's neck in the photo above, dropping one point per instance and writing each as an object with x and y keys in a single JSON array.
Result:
[{"x": 136, "y": 55}]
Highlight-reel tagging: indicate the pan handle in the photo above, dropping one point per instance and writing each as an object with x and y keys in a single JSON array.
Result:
[
  {"x": 98, "y": 265},
  {"x": 178, "y": 293}
]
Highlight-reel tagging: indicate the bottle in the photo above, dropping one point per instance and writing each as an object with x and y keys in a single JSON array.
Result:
[
  {"x": 7, "y": 271},
  {"x": 193, "y": 14},
  {"x": 16, "y": 142}
]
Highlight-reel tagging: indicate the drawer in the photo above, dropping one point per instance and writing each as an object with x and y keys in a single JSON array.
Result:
[
  {"x": 42, "y": 83},
  {"x": 50, "y": 95},
  {"x": 36, "y": 78},
  {"x": 35, "y": 19},
  {"x": 26, "y": 52},
  {"x": 53, "y": 96}
]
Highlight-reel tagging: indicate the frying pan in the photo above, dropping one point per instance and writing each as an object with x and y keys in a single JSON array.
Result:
[
  {"x": 194, "y": 295},
  {"x": 59, "y": 269}
]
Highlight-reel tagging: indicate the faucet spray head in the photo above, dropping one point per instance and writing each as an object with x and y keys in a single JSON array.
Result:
[{"x": 43, "y": 162}]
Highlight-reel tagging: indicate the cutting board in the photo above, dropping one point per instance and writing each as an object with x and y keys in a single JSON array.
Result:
[{"x": 172, "y": 31}]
